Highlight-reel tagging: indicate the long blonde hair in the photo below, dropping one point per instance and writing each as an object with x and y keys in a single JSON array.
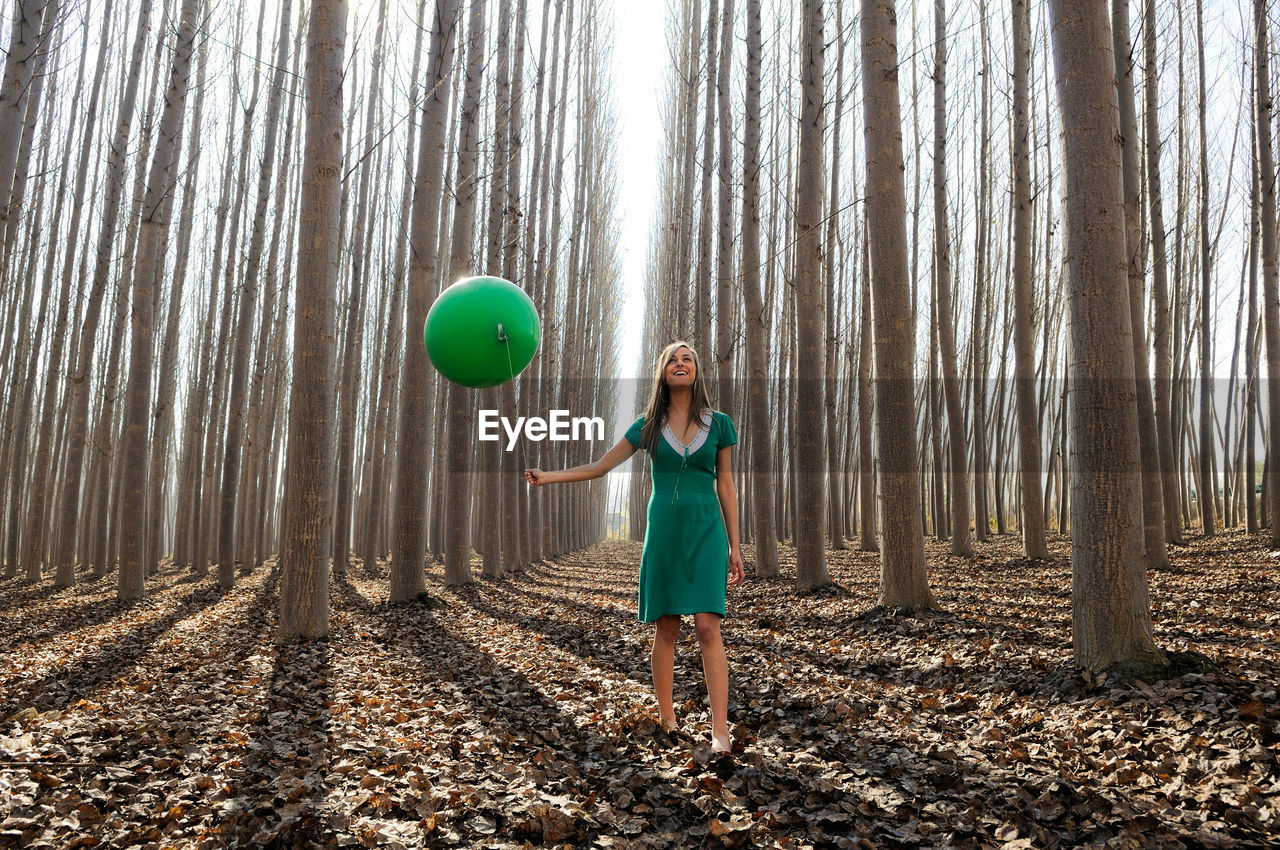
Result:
[{"x": 655, "y": 414}]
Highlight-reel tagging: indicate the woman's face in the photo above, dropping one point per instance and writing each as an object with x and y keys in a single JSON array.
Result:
[{"x": 681, "y": 368}]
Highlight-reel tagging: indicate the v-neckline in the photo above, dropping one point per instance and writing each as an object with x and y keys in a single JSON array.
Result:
[{"x": 695, "y": 444}]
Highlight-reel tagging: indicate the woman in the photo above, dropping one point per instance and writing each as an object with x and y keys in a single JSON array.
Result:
[{"x": 692, "y": 523}]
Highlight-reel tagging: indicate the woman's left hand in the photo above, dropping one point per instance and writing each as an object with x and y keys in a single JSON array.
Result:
[{"x": 736, "y": 573}]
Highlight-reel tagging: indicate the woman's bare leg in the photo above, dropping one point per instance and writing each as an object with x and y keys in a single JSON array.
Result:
[
  {"x": 662, "y": 662},
  {"x": 716, "y": 670}
]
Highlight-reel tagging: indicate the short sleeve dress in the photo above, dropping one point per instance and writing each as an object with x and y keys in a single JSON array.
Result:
[{"x": 685, "y": 563}]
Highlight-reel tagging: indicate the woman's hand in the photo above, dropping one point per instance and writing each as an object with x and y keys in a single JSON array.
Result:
[
  {"x": 736, "y": 573},
  {"x": 537, "y": 477}
]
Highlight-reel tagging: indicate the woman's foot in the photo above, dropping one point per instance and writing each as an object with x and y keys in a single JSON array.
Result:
[
  {"x": 670, "y": 724},
  {"x": 721, "y": 743}
]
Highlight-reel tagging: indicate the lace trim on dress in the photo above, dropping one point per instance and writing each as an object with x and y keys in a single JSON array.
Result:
[{"x": 701, "y": 438}]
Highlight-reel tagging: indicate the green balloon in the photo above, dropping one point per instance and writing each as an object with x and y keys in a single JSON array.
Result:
[{"x": 482, "y": 331}]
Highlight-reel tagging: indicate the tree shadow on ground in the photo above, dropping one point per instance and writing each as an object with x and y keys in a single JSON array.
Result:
[
  {"x": 553, "y": 575},
  {"x": 570, "y": 628},
  {"x": 348, "y": 597},
  {"x": 280, "y": 801},
  {"x": 48, "y": 626},
  {"x": 503, "y": 704},
  {"x": 72, "y": 682},
  {"x": 17, "y": 594},
  {"x": 506, "y": 703}
]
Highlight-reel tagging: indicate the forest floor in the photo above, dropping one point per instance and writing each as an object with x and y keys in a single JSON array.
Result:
[{"x": 519, "y": 713}]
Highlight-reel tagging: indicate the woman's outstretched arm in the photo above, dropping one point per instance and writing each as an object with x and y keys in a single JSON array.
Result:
[{"x": 586, "y": 471}]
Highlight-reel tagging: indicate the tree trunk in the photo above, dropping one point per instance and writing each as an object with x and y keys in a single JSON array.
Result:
[
  {"x": 1032, "y": 522},
  {"x": 25, "y": 44},
  {"x": 135, "y": 556},
  {"x": 811, "y": 469},
  {"x": 1152, "y": 498},
  {"x": 866, "y": 470},
  {"x": 1111, "y": 614},
  {"x": 764, "y": 534},
  {"x": 462, "y": 400},
  {"x": 1205, "y": 481},
  {"x": 702, "y": 276},
  {"x": 244, "y": 319},
  {"x": 304, "y": 585},
  {"x": 515, "y": 529},
  {"x": 834, "y": 304},
  {"x": 979, "y": 336},
  {"x": 1159, "y": 287},
  {"x": 960, "y": 544},
  {"x": 412, "y": 459},
  {"x": 1270, "y": 265},
  {"x": 903, "y": 581}
]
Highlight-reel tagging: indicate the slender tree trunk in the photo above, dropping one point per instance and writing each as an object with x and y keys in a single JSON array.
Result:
[
  {"x": 978, "y": 339},
  {"x": 515, "y": 528},
  {"x": 1032, "y": 522},
  {"x": 727, "y": 320},
  {"x": 903, "y": 581},
  {"x": 157, "y": 208},
  {"x": 866, "y": 470},
  {"x": 960, "y": 544},
  {"x": 833, "y": 306},
  {"x": 462, "y": 400},
  {"x": 25, "y": 46},
  {"x": 1159, "y": 287},
  {"x": 1270, "y": 265},
  {"x": 811, "y": 549},
  {"x": 352, "y": 355},
  {"x": 1152, "y": 494},
  {"x": 702, "y": 276},
  {"x": 1111, "y": 613},
  {"x": 412, "y": 459},
  {"x": 1204, "y": 483},
  {"x": 386, "y": 440},
  {"x": 763, "y": 533},
  {"x": 236, "y": 405},
  {"x": 492, "y": 474},
  {"x": 304, "y": 586}
]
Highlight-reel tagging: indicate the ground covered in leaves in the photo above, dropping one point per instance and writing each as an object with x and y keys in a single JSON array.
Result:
[{"x": 519, "y": 713}]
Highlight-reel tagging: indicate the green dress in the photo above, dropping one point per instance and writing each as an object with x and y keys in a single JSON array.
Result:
[{"x": 685, "y": 564}]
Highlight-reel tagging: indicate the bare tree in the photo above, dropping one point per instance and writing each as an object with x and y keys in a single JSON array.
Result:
[
  {"x": 304, "y": 586},
  {"x": 1204, "y": 481},
  {"x": 960, "y": 544},
  {"x": 1152, "y": 501},
  {"x": 411, "y": 453},
  {"x": 903, "y": 581},
  {"x": 1033, "y": 539},
  {"x": 761, "y": 478},
  {"x": 1270, "y": 266},
  {"x": 866, "y": 465},
  {"x": 462, "y": 400},
  {"x": 157, "y": 209},
  {"x": 236, "y": 407},
  {"x": 24, "y": 54},
  {"x": 1111, "y": 611},
  {"x": 811, "y": 550}
]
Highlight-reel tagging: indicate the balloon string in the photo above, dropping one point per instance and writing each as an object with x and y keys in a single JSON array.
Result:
[{"x": 505, "y": 339}]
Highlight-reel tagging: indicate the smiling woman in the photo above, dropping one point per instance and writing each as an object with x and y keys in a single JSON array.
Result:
[{"x": 691, "y": 550}]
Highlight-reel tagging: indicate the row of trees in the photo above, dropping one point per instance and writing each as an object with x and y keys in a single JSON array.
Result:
[
  {"x": 240, "y": 241},
  {"x": 853, "y": 247},
  {"x": 276, "y": 281}
]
